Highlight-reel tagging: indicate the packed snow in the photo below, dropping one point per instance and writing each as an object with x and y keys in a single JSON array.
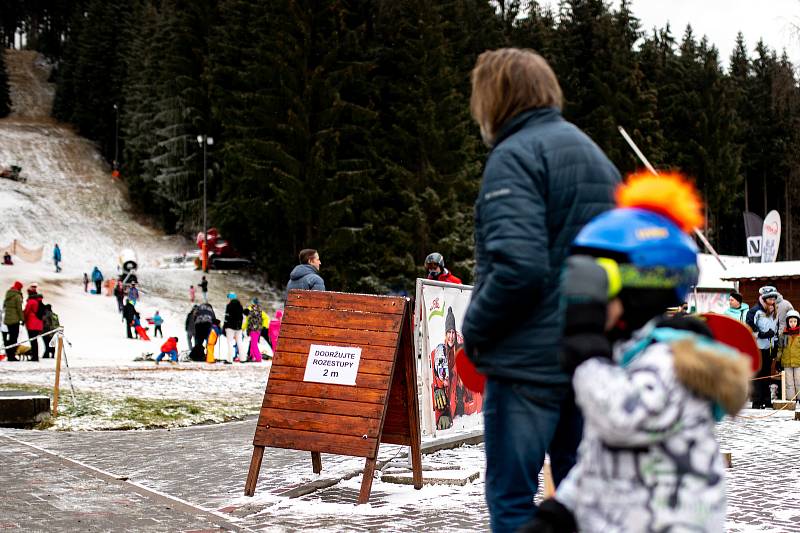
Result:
[{"x": 70, "y": 198}]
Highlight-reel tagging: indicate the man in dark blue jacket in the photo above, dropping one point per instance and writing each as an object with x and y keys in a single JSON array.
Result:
[{"x": 544, "y": 179}]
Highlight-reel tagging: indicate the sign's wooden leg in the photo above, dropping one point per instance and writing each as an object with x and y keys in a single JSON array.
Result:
[
  {"x": 366, "y": 481},
  {"x": 255, "y": 468},
  {"x": 316, "y": 462},
  {"x": 413, "y": 414},
  {"x": 416, "y": 464}
]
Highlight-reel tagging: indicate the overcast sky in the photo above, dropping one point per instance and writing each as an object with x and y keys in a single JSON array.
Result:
[{"x": 720, "y": 20}]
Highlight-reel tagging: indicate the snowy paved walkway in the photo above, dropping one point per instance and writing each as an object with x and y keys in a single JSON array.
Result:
[{"x": 206, "y": 466}]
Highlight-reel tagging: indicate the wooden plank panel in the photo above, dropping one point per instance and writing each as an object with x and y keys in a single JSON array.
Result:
[
  {"x": 322, "y": 334},
  {"x": 382, "y": 368},
  {"x": 319, "y": 405},
  {"x": 321, "y": 390},
  {"x": 301, "y": 346},
  {"x": 346, "y": 302},
  {"x": 355, "y": 426},
  {"x": 342, "y": 319},
  {"x": 394, "y": 438},
  {"x": 292, "y": 373},
  {"x": 315, "y": 442},
  {"x": 397, "y": 414}
]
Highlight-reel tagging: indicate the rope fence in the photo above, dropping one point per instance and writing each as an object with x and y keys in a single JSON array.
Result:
[{"x": 20, "y": 343}]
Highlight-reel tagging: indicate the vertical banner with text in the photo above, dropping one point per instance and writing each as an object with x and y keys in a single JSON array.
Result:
[{"x": 447, "y": 405}]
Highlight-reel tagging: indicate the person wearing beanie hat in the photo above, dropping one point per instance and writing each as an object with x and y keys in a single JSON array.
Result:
[
  {"x": 450, "y": 397},
  {"x": 765, "y": 320},
  {"x": 737, "y": 308},
  {"x": 790, "y": 355},
  {"x": 12, "y": 317},
  {"x": 32, "y": 316},
  {"x": 232, "y": 325},
  {"x": 767, "y": 291}
]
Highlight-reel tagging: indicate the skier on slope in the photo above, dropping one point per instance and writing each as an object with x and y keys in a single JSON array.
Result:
[{"x": 97, "y": 278}]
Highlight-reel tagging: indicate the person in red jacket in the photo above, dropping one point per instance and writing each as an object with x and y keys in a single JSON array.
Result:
[
  {"x": 33, "y": 322},
  {"x": 169, "y": 348},
  {"x": 434, "y": 264}
]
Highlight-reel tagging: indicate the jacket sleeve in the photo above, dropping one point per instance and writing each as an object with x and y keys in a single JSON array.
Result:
[
  {"x": 630, "y": 407},
  {"x": 512, "y": 212},
  {"x": 764, "y": 325}
]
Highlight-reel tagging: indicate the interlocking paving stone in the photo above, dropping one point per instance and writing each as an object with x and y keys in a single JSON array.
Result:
[{"x": 207, "y": 466}]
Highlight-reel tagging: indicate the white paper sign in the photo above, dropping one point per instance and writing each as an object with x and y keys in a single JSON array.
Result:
[{"x": 332, "y": 364}]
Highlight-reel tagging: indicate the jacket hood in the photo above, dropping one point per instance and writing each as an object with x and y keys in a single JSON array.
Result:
[
  {"x": 301, "y": 271},
  {"x": 712, "y": 373}
]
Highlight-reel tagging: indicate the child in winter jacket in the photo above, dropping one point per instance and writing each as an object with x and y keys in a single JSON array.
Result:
[
  {"x": 157, "y": 321},
  {"x": 254, "y": 322},
  {"x": 790, "y": 355},
  {"x": 137, "y": 326},
  {"x": 211, "y": 344},
  {"x": 169, "y": 348},
  {"x": 650, "y": 388}
]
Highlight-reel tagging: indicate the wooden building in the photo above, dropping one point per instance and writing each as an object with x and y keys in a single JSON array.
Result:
[{"x": 783, "y": 275}]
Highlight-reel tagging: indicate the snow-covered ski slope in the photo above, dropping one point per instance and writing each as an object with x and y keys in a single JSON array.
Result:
[{"x": 70, "y": 198}]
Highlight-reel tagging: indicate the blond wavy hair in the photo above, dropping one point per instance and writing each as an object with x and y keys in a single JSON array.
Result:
[{"x": 506, "y": 82}]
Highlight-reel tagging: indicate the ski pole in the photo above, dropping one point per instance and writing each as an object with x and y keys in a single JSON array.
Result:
[{"x": 650, "y": 167}]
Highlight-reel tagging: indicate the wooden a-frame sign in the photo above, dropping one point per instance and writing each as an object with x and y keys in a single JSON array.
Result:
[{"x": 348, "y": 419}]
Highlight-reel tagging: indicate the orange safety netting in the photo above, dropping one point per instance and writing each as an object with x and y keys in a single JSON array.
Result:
[{"x": 26, "y": 254}]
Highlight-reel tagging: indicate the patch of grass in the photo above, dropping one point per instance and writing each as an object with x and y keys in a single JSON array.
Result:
[{"x": 93, "y": 411}]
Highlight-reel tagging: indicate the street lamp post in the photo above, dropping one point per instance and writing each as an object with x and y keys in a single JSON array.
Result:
[
  {"x": 116, "y": 135},
  {"x": 205, "y": 141}
]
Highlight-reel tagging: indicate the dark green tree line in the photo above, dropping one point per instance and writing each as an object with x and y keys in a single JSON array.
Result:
[{"x": 343, "y": 125}]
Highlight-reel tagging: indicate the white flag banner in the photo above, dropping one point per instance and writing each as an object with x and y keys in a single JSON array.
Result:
[
  {"x": 447, "y": 405},
  {"x": 770, "y": 237}
]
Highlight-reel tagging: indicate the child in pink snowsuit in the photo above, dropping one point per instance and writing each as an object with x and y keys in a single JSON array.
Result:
[
  {"x": 252, "y": 324},
  {"x": 275, "y": 328},
  {"x": 191, "y": 293}
]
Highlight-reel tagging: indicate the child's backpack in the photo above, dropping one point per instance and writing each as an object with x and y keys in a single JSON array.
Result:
[{"x": 41, "y": 312}]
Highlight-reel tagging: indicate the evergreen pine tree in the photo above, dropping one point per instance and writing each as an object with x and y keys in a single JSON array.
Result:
[
  {"x": 428, "y": 143},
  {"x": 5, "y": 95}
]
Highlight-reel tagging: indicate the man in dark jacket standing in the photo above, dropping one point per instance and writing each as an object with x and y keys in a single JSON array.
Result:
[
  {"x": 306, "y": 274},
  {"x": 128, "y": 314},
  {"x": 12, "y": 316},
  {"x": 234, "y": 316},
  {"x": 203, "y": 319},
  {"x": 544, "y": 179}
]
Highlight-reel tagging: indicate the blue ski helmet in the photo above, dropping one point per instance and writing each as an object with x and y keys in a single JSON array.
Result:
[{"x": 652, "y": 251}]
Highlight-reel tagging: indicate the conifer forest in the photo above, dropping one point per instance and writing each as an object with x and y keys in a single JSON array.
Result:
[{"x": 343, "y": 125}]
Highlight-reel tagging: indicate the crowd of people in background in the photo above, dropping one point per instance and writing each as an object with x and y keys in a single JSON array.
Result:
[
  {"x": 40, "y": 321},
  {"x": 773, "y": 320},
  {"x": 204, "y": 330}
]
